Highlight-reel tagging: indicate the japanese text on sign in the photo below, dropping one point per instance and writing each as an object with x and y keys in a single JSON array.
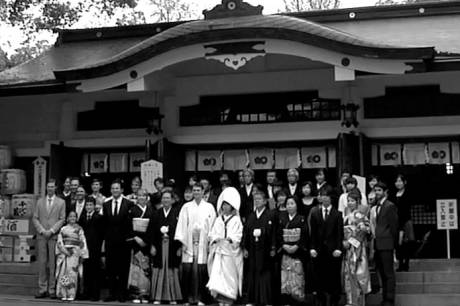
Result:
[{"x": 447, "y": 214}]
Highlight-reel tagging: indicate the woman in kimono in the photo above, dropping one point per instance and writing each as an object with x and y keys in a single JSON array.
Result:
[
  {"x": 70, "y": 250},
  {"x": 225, "y": 261},
  {"x": 355, "y": 262},
  {"x": 292, "y": 242},
  {"x": 139, "y": 271},
  {"x": 166, "y": 252},
  {"x": 259, "y": 244}
]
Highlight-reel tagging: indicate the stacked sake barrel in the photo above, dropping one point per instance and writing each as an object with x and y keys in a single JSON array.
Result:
[{"x": 16, "y": 209}]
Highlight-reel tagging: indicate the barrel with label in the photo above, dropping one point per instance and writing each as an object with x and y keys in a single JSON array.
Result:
[
  {"x": 13, "y": 181},
  {"x": 23, "y": 205},
  {"x": 5, "y": 206},
  {"x": 6, "y": 157}
]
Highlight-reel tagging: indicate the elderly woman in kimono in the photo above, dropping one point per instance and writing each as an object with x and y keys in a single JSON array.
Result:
[
  {"x": 355, "y": 263},
  {"x": 70, "y": 251},
  {"x": 225, "y": 261}
]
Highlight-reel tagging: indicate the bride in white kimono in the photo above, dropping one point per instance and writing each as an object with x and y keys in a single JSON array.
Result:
[{"x": 225, "y": 260}]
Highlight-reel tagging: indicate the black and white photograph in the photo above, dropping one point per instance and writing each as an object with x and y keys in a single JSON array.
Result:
[{"x": 230, "y": 152}]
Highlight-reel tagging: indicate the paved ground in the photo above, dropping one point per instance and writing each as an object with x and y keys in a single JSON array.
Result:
[
  {"x": 25, "y": 301},
  {"x": 14, "y": 300}
]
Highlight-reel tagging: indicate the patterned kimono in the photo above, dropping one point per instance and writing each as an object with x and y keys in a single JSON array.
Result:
[
  {"x": 139, "y": 271},
  {"x": 292, "y": 232},
  {"x": 69, "y": 268},
  {"x": 355, "y": 262}
]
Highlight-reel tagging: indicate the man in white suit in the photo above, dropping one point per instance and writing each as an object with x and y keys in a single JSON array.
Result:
[{"x": 48, "y": 218}]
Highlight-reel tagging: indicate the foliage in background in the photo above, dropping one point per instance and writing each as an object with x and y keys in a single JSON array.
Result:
[
  {"x": 308, "y": 5},
  {"x": 35, "y": 21}
]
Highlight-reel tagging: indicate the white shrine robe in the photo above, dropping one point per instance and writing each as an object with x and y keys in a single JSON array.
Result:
[
  {"x": 225, "y": 263},
  {"x": 193, "y": 216}
]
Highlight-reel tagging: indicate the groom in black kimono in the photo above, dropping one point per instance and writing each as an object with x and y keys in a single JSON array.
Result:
[{"x": 326, "y": 251}]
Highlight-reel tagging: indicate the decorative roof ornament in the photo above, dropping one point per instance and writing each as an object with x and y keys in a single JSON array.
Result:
[{"x": 232, "y": 8}]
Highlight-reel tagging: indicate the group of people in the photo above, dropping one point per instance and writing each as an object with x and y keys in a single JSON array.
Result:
[{"x": 250, "y": 243}]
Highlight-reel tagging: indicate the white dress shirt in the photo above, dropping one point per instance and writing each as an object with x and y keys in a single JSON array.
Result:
[
  {"x": 116, "y": 206},
  {"x": 292, "y": 188},
  {"x": 326, "y": 210},
  {"x": 79, "y": 208},
  {"x": 249, "y": 189}
]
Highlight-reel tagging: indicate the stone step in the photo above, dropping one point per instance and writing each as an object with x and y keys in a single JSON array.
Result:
[
  {"x": 19, "y": 279},
  {"x": 18, "y": 268},
  {"x": 427, "y": 300},
  {"x": 372, "y": 300},
  {"x": 17, "y": 289},
  {"x": 424, "y": 265},
  {"x": 428, "y": 277},
  {"x": 431, "y": 288}
]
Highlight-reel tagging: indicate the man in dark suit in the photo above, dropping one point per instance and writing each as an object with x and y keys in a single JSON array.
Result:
[
  {"x": 71, "y": 198},
  {"x": 271, "y": 179},
  {"x": 384, "y": 225},
  {"x": 92, "y": 225},
  {"x": 208, "y": 194},
  {"x": 324, "y": 188},
  {"x": 117, "y": 226},
  {"x": 293, "y": 188},
  {"x": 326, "y": 250},
  {"x": 79, "y": 205},
  {"x": 247, "y": 203}
]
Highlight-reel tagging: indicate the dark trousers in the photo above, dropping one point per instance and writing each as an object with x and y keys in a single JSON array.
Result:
[
  {"x": 328, "y": 270},
  {"x": 91, "y": 277},
  {"x": 403, "y": 253},
  {"x": 193, "y": 282},
  {"x": 117, "y": 265},
  {"x": 385, "y": 267}
]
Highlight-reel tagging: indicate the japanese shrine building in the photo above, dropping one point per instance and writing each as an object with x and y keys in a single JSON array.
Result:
[{"x": 371, "y": 90}]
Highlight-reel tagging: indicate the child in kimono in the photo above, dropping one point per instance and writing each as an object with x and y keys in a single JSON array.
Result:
[
  {"x": 70, "y": 251},
  {"x": 225, "y": 261}
]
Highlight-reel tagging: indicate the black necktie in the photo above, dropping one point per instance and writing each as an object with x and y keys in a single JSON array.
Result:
[{"x": 115, "y": 212}]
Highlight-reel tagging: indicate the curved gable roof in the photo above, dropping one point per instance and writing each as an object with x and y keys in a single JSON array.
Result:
[{"x": 247, "y": 27}]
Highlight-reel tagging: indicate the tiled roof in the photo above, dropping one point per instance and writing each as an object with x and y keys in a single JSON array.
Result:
[
  {"x": 274, "y": 26},
  {"x": 424, "y": 24}
]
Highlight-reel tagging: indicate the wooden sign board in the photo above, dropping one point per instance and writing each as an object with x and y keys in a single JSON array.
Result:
[{"x": 151, "y": 170}]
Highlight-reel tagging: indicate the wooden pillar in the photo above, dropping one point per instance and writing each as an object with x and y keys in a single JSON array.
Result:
[
  {"x": 354, "y": 154},
  {"x": 348, "y": 153},
  {"x": 173, "y": 158}
]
